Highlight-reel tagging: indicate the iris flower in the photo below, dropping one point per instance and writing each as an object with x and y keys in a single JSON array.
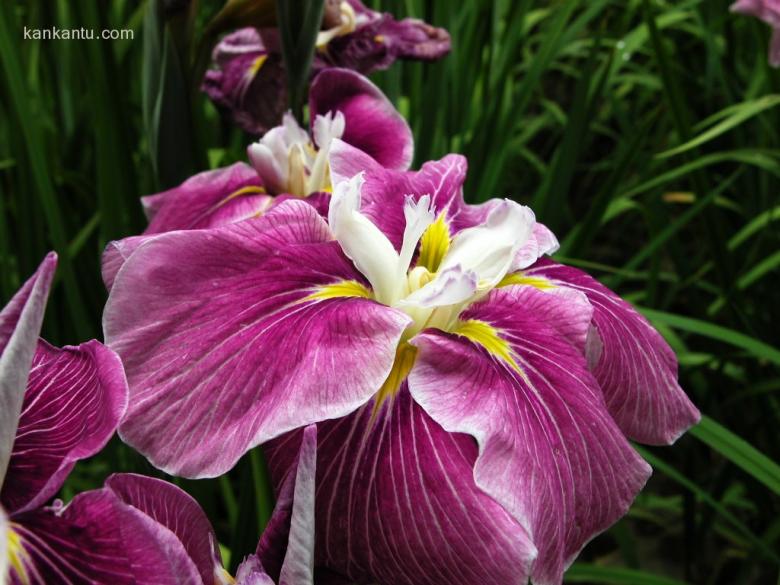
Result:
[
  {"x": 58, "y": 406},
  {"x": 474, "y": 399},
  {"x": 249, "y": 78},
  {"x": 769, "y": 12},
  {"x": 286, "y": 162},
  {"x": 133, "y": 530}
]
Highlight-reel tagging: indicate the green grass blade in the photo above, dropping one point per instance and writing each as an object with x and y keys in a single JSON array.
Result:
[
  {"x": 757, "y": 348},
  {"x": 587, "y": 573},
  {"x": 739, "y": 452}
]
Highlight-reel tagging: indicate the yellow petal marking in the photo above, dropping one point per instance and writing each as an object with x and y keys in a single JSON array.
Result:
[
  {"x": 405, "y": 355},
  {"x": 17, "y": 555},
  {"x": 257, "y": 64},
  {"x": 434, "y": 244},
  {"x": 522, "y": 278},
  {"x": 338, "y": 290},
  {"x": 488, "y": 337}
]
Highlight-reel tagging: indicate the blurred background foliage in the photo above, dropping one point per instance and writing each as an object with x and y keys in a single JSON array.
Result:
[{"x": 645, "y": 133}]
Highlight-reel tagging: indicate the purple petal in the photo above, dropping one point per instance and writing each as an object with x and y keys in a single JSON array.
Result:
[
  {"x": 396, "y": 503},
  {"x": 20, "y": 323},
  {"x": 74, "y": 400},
  {"x": 379, "y": 40},
  {"x": 177, "y": 511},
  {"x": 225, "y": 349},
  {"x": 637, "y": 369},
  {"x": 97, "y": 539},
  {"x": 372, "y": 123},
  {"x": 251, "y": 572},
  {"x": 116, "y": 254},
  {"x": 549, "y": 451},
  {"x": 208, "y": 199},
  {"x": 290, "y": 532},
  {"x": 248, "y": 81}
]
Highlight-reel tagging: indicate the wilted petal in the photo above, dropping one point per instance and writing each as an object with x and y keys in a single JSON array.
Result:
[
  {"x": 248, "y": 80},
  {"x": 208, "y": 199},
  {"x": 396, "y": 503},
  {"x": 372, "y": 124},
  {"x": 637, "y": 370},
  {"x": 97, "y": 539},
  {"x": 226, "y": 344},
  {"x": 74, "y": 400},
  {"x": 174, "y": 509},
  {"x": 379, "y": 40},
  {"x": 549, "y": 451},
  {"x": 20, "y": 324}
]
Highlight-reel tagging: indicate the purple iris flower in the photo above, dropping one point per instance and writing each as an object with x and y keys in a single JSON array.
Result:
[
  {"x": 473, "y": 398},
  {"x": 286, "y": 162},
  {"x": 769, "y": 12},
  {"x": 58, "y": 406},
  {"x": 135, "y": 529},
  {"x": 249, "y": 78}
]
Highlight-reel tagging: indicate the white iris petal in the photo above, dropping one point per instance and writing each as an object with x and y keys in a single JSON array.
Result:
[
  {"x": 418, "y": 217},
  {"x": 364, "y": 243},
  {"x": 488, "y": 249},
  {"x": 450, "y": 287}
]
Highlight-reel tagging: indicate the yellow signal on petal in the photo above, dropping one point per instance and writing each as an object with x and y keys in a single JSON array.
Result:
[
  {"x": 488, "y": 337},
  {"x": 434, "y": 244},
  {"x": 338, "y": 290},
  {"x": 257, "y": 64},
  {"x": 17, "y": 556},
  {"x": 405, "y": 355},
  {"x": 522, "y": 278}
]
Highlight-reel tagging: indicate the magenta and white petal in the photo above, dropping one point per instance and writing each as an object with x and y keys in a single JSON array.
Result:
[
  {"x": 637, "y": 370},
  {"x": 542, "y": 242},
  {"x": 396, "y": 503},
  {"x": 549, "y": 451},
  {"x": 20, "y": 324},
  {"x": 286, "y": 548},
  {"x": 74, "y": 401},
  {"x": 176, "y": 510},
  {"x": 251, "y": 572},
  {"x": 372, "y": 124},
  {"x": 208, "y": 199},
  {"x": 226, "y": 344},
  {"x": 98, "y": 539}
]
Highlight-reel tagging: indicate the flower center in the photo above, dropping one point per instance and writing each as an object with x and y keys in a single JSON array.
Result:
[
  {"x": 451, "y": 272},
  {"x": 290, "y": 162}
]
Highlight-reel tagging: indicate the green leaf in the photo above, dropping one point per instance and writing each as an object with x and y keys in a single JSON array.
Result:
[
  {"x": 299, "y": 24},
  {"x": 739, "y": 452},
  {"x": 587, "y": 573},
  {"x": 753, "y": 346},
  {"x": 735, "y": 116}
]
